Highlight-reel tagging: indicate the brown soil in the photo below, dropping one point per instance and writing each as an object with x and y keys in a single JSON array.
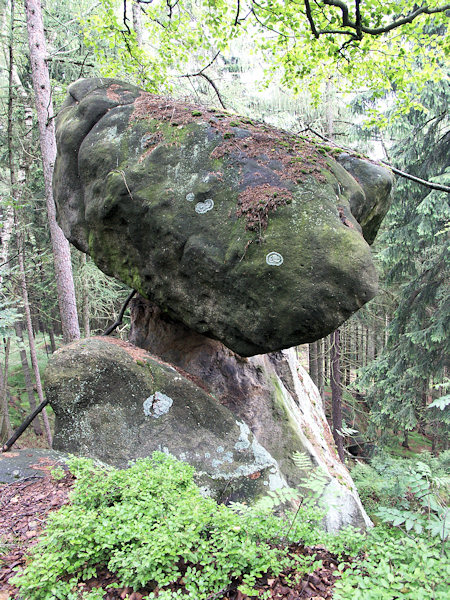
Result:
[{"x": 25, "y": 505}]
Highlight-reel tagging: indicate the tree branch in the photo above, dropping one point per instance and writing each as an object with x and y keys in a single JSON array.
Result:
[
  {"x": 112, "y": 327},
  {"x": 310, "y": 19},
  {"x": 238, "y": 10},
  {"x": 213, "y": 85},
  {"x": 360, "y": 28},
  {"x": 201, "y": 73},
  {"x": 16, "y": 435},
  {"x": 424, "y": 10},
  {"x": 358, "y": 19},
  {"x": 429, "y": 184}
]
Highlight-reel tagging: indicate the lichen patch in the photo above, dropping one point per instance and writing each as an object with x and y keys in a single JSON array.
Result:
[{"x": 157, "y": 405}]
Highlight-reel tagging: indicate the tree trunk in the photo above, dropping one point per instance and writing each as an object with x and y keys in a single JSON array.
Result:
[
  {"x": 5, "y": 423},
  {"x": 44, "y": 108},
  {"x": 137, "y": 21},
  {"x": 326, "y": 360},
  {"x": 347, "y": 355},
  {"x": 85, "y": 300},
  {"x": 320, "y": 369},
  {"x": 51, "y": 335},
  {"x": 31, "y": 341},
  {"x": 27, "y": 378},
  {"x": 336, "y": 394},
  {"x": 313, "y": 365},
  {"x": 405, "y": 442}
]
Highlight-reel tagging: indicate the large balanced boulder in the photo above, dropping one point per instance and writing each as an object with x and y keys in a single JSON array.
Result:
[{"x": 242, "y": 232}]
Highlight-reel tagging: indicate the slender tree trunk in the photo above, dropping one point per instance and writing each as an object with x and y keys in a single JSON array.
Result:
[
  {"x": 320, "y": 369},
  {"x": 27, "y": 378},
  {"x": 51, "y": 335},
  {"x": 336, "y": 394},
  {"x": 405, "y": 442},
  {"x": 326, "y": 360},
  {"x": 44, "y": 108},
  {"x": 5, "y": 423},
  {"x": 347, "y": 355},
  {"x": 137, "y": 21},
  {"x": 31, "y": 341},
  {"x": 313, "y": 366},
  {"x": 85, "y": 299},
  {"x": 5, "y": 236}
]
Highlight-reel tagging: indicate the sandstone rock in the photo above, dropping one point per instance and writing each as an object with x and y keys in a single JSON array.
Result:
[
  {"x": 271, "y": 393},
  {"x": 376, "y": 181},
  {"x": 242, "y": 232},
  {"x": 117, "y": 403}
]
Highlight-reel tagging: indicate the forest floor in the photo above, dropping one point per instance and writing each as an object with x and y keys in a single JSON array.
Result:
[{"x": 26, "y": 503}]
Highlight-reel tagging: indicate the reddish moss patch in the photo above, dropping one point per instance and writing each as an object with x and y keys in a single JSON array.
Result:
[
  {"x": 255, "y": 204},
  {"x": 293, "y": 157}
]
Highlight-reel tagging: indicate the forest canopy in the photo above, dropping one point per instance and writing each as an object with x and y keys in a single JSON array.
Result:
[{"x": 388, "y": 47}]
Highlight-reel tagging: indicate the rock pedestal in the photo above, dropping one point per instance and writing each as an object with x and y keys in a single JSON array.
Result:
[{"x": 238, "y": 421}]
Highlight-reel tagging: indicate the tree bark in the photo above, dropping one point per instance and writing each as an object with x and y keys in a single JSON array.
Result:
[
  {"x": 51, "y": 335},
  {"x": 44, "y": 108},
  {"x": 85, "y": 300},
  {"x": 31, "y": 341},
  {"x": 405, "y": 442},
  {"x": 5, "y": 423},
  {"x": 336, "y": 394},
  {"x": 320, "y": 369},
  {"x": 313, "y": 365},
  {"x": 326, "y": 360},
  {"x": 27, "y": 377},
  {"x": 137, "y": 21}
]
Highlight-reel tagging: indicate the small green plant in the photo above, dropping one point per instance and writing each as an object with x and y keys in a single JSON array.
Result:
[{"x": 58, "y": 473}]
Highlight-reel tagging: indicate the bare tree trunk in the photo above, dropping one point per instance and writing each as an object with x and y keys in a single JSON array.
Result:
[
  {"x": 5, "y": 236},
  {"x": 137, "y": 21},
  {"x": 51, "y": 335},
  {"x": 44, "y": 108},
  {"x": 405, "y": 442},
  {"x": 348, "y": 355},
  {"x": 326, "y": 360},
  {"x": 320, "y": 368},
  {"x": 27, "y": 378},
  {"x": 336, "y": 394},
  {"x": 5, "y": 423},
  {"x": 31, "y": 341},
  {"x": 313, "y": 366},
  {"x": 85, "y": 300}
]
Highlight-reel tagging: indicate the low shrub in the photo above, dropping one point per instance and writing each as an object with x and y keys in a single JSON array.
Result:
[{"x": 149, "y": 525}]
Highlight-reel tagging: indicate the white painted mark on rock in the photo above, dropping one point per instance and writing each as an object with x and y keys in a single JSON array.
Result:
[
  {"x": 274, "y": 259},
  {"x": 156, "y": 405},
  {"x": 203, "y": 207}
]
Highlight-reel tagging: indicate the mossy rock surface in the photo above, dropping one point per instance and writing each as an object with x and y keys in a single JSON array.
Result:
[
  {"x": 116, "y": 403},
  {"x": 242, "y": 232}
]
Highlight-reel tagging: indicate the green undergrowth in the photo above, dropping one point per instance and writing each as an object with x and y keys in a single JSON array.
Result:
[{"x": 150, "y": 526}]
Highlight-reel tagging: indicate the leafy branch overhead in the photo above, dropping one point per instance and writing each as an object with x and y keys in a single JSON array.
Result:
[{"x": 393, "y": 47}]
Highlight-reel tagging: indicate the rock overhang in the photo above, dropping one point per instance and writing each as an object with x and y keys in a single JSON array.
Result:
[{"x": 240, "y": 231}]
